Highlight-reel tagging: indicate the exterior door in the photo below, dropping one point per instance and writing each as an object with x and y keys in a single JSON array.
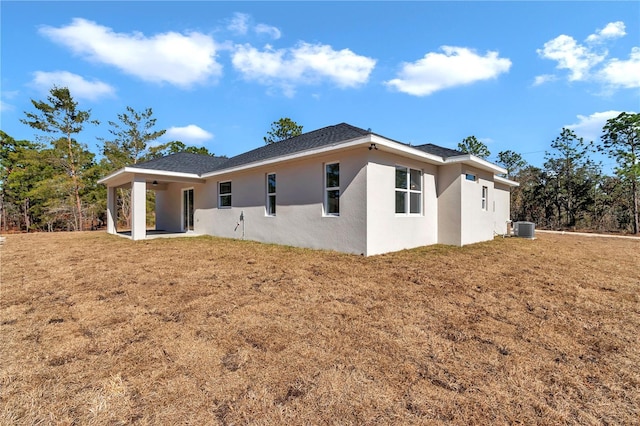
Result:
[{"x": 187, "y": 209}]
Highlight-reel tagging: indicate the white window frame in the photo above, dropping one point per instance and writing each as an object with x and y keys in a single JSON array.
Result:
[
  {"x": 485, "y": 198},
  {"x": 328, "y": 189},
  {"x": 268, "y": 203},
  {"x": 229, "y": 194},
  {"x": 408, "y": 191}
]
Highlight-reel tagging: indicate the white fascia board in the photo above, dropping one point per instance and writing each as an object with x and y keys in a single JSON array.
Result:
[
  {"x": 406, "y": 150},
  {"x": 365, "y": 141},
  {"x": 139, "y": 171},
  {"x": 112, "y": 176},
  {"x": 505, "y": 181},
  {"x": 476, "y": 162}
]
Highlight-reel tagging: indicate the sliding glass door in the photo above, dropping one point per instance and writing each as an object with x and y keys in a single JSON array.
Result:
[{"x": 187, "y": 209}]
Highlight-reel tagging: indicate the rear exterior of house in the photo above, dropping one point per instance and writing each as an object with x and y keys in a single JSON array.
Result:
[{"x": 337, "y": 188}]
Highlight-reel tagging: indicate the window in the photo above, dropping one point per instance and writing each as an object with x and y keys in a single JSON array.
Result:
[
  {"x": 271, "y": 194},
  {"x": 485, "y": 193},
  {"x": 408, "y": 190},
  {"x": 332, "y": 189},
  {"x": 470, "y": 176},
  {"x": 224, "y": 194}
]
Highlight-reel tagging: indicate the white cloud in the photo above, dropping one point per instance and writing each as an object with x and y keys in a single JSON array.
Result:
[
  {"x": 188, "y": 134},
  {"x": 612, "y": 30},
  {"x": 5, "y": 106},
  {"x": 545, "y": 78},
  {"x": 486, "y": 141},
  {"x": 179, "y": 59},
  {"x": 590, "y": 127},
  {"x": 10, "y": 94},
  {"x": 623, "y": 73},
  {"x": 590, "y": 62},
  {"x": 78, "y": 86},
  {"x": 578, "y": 59},
  {"x": 455, "y": 67},
  {"x": 272, "y": 32},
  {"x": 7, "y": 95},
  {"x": 303, "y": 64},
  {"x": 242, "y": 22},
  {"x": 239, "y": 24}
]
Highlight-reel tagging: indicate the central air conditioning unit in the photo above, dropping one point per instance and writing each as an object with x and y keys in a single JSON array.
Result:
[{"x": 524, "y": 229}]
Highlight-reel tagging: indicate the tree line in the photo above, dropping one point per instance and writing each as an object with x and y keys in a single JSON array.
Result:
[
  {"x": 571, "y": 191},
  {"x": 51, "y": 184}
]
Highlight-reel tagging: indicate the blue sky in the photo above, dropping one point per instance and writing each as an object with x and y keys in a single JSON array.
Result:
[{"x": 217, "y": 74}]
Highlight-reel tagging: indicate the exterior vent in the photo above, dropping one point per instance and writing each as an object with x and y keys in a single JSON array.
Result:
[{"x": 524, "y": 229}]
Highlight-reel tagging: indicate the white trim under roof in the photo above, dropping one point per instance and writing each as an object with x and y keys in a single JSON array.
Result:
[
  {"x": 505, "y": 181},
  {"x": 477, "y": 162},
  {"x": 141, "y": 171},
  {"x": 403, "y": 149},
  {"x": 364, "y": 141}
]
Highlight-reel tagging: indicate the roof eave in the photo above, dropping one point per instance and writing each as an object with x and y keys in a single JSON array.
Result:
[
  {"x": 476, "y": 162},
  {"x": 406, "y": 150},
  {"x": 505, "y": 181},
  {"x": 152, "y": 172},
  {"x": 367, "y": 140}
]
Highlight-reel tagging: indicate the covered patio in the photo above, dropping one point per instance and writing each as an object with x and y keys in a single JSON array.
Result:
[{"x": 179, "y": 218}]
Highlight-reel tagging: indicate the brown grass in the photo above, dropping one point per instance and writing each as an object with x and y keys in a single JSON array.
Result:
[{"x": 98, "y": 329}]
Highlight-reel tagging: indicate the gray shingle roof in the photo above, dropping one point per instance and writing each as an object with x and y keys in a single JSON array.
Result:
[
  {"x": 438, "y": 150},
  {"x": 315, "y": 139},
  {"x": 194, "y": 163},
  {"x": 183, "y": 162}
]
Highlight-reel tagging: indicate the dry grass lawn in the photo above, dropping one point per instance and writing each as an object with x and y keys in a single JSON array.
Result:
[{"x": 97, "y": 329}]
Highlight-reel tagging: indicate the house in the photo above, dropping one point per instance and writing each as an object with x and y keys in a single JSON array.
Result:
[{"x": 338, "y": 188}]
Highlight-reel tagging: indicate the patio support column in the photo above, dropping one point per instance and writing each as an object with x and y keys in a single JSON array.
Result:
[
  {"x": 112, "y": 214},
  {"x": 138, "y": 209}
]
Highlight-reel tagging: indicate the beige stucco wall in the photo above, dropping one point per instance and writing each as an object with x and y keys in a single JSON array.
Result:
[
  {"x": 461, "y": 219},
  {"x": 452, "y": 206},
  {"x": 449, "y": 204},
  {"x": 476, "y": 224},
  {"x": 299, "y": 219},
  {"x": 169, "y": 210},
  {"x": 387, "y": 231},
  {"x": 502, "y": 208}
]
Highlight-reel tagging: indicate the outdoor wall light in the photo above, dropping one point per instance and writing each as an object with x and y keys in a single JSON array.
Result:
[
  {"x": 155, "y": 183},
  {"x": 373, "y": 146}
]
